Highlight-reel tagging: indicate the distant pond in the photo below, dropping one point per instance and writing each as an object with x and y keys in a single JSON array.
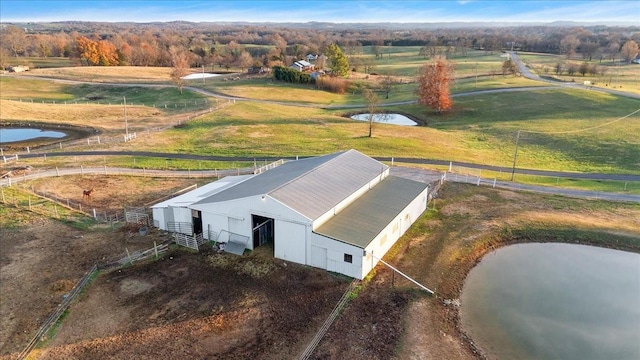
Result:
[
  {"x": 554, "y": 301},
  {"x": 395, "y": 119},
  {"x": 9, "y": 135}
]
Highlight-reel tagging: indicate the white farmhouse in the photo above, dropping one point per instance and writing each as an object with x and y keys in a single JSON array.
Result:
[{"x": 333, "y": 212}]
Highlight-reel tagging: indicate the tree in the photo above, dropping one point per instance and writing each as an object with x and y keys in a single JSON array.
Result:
[
  {"x": 339, "y": 64},
  {"x": 180, "y": 62},
  {"x": 388, "y": 83},
  {"x": 13, "y": 39},
  {"x": 629, "y": 50},
  {"x": 559, "y": 68},
  {"x": 508, "y": 67},
  {"x": 433, "y": 85},
  {"x": 373, "y": 101},
  {"x": 584, "y": 68}
]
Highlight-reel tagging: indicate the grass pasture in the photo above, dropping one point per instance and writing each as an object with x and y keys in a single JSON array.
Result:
[
  {"x": 131, "y": 74},
  {"x": 618, "y": 76}
]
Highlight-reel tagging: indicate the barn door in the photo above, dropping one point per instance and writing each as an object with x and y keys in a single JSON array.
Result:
[
  {"x": 319, "y": 257},
  {"x": 263, "y": 230}
]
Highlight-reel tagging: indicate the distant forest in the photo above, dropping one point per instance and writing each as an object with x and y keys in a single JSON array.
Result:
[{"x": 241, "y": 45}]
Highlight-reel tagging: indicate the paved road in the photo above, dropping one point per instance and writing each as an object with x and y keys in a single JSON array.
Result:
[
  {"x": 561, "y": 174},
  {"x": 422, "y": 175}
]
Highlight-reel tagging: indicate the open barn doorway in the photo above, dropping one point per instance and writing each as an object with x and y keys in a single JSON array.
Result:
[{"x": 263, "y": 230}]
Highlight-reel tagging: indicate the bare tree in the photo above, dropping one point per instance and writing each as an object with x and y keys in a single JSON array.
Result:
[
  {"x": 388, "y": 84},
  {"x": 180, "y": 69},
  {"x": 373, "y": 103}
]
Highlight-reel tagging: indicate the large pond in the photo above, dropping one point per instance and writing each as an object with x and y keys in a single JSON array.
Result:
[
  {"x": 395, "y": 119},
  {"x": 554, "y": 301},
  {"x": 9, "y": 135}
]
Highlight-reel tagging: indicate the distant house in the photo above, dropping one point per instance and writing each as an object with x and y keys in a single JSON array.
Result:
[
  {"x": 303, "y": 66},
  {"x": 19, "y": 68},
  {"x": 311, "y": 57}
]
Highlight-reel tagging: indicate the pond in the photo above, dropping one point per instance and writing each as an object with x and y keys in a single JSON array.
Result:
[
  {"x": 395, "y": 119},
  {"x": 9, "y": 135},
  {"x": 554, "y": 301}
]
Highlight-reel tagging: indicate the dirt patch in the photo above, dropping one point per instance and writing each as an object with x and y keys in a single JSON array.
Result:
[
  {"x": 41, "y": 263},
  {"x": 182, "y": 306},
  {"x": 113, "y": 193}
]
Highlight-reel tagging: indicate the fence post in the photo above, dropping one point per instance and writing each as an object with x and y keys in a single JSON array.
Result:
[
  {"x": 450, "y": 165},
  {"x": 57, "y": 171},
  {"x": 95, "y": 217},
  {"x": 189, "y": 173},
  {"x": 29, "y": 202},
  {"x": 4, "y": 201},
  {"x": 55, "y": 209},
  {"x": 105, "y": 169},
  {"x": 155, "y": 248},
  {"x": 61, "y": 145},
  {"x": 28, "y": 150},
  {"x": 478, "y": 183},
  {"x": 494, "y": 182},
  {"x": 45, "y": 157},
  {"x": 128, "y": 255}
]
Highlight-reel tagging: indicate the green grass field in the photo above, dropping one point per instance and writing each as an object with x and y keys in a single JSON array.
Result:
[{"x": 567, "y": 130}]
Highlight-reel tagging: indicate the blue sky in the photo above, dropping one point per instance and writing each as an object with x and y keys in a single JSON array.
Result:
[{"x": 359, "y": 11}]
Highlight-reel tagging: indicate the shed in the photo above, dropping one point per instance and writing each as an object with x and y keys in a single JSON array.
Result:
[{"x": 332, "y": 211}]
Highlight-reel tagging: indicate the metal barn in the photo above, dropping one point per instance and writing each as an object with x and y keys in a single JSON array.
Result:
[{"x": 333, "y": 212}]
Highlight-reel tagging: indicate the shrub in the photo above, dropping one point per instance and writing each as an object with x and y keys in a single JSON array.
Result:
[{"x": 333, "y": 84}]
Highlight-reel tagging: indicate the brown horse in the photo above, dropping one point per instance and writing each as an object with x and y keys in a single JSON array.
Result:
[{"x": 87, "y": 193}]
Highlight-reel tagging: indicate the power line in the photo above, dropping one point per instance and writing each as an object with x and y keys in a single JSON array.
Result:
[{"x": 580, "y": 130}]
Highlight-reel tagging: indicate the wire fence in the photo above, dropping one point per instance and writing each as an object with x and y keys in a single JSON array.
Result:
[
  {"x": 474, "y": 176},
  {"x": 101, "y": 140}
]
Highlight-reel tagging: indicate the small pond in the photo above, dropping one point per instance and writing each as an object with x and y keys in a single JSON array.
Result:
[
  {"x": 9, "y": 135},
  {"x": 395, "y": 119},
  {"x": 554, "y": 301}
]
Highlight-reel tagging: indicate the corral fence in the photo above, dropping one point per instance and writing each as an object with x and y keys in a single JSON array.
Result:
[
  {"x": 53, "y": 318},
  {"x": 130, "y": 258},
  {"x": 190, "y": 241},
  {"x": 105, "y": 170},
  {"x": 137, "y": 215}
]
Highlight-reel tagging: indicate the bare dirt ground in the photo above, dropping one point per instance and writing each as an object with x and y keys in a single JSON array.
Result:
[
  {"x": 209, "y": 305},
  {"x": 42, "y": 259},
  {"x": 203, "y": 305}
]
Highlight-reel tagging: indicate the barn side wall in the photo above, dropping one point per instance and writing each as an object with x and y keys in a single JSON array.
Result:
[
  {"x": 392, "y": 232},
  {"x": 329, "y": 254}
]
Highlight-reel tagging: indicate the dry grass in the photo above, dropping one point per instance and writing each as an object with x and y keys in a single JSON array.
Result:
[
  {"x": 107, "y": 117},
  {"x": 136, "y": 74}
]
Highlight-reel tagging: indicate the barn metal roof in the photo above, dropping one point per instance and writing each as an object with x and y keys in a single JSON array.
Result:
[
  {"x": 359, "y": 223},
  {"x": 202, "y": 192},
  {"x": 310, "y": 186}
]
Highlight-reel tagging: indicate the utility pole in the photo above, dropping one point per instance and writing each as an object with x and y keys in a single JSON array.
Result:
[
  {"x": 126, "y": 123},
  {"x": 515, "y": 156}
]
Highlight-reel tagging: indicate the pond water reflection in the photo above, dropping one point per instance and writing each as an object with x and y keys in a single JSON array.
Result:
[
  {"x": 8, "y": 135},
  {"x": 554, "y": 301},
  {"x": 395, "y": 119}
]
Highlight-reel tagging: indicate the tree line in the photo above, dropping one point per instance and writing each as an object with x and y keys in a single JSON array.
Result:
[{"x": 227, "y": 46}]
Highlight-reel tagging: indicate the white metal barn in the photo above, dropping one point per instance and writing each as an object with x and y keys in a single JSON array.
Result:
[{"x": 331, "y": 212}]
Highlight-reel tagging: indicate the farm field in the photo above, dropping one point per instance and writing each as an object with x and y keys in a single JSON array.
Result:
[{"x": 245, "y": 306}]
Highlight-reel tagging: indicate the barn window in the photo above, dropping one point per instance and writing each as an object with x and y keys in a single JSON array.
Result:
[{"x": 348, "y": 258}]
